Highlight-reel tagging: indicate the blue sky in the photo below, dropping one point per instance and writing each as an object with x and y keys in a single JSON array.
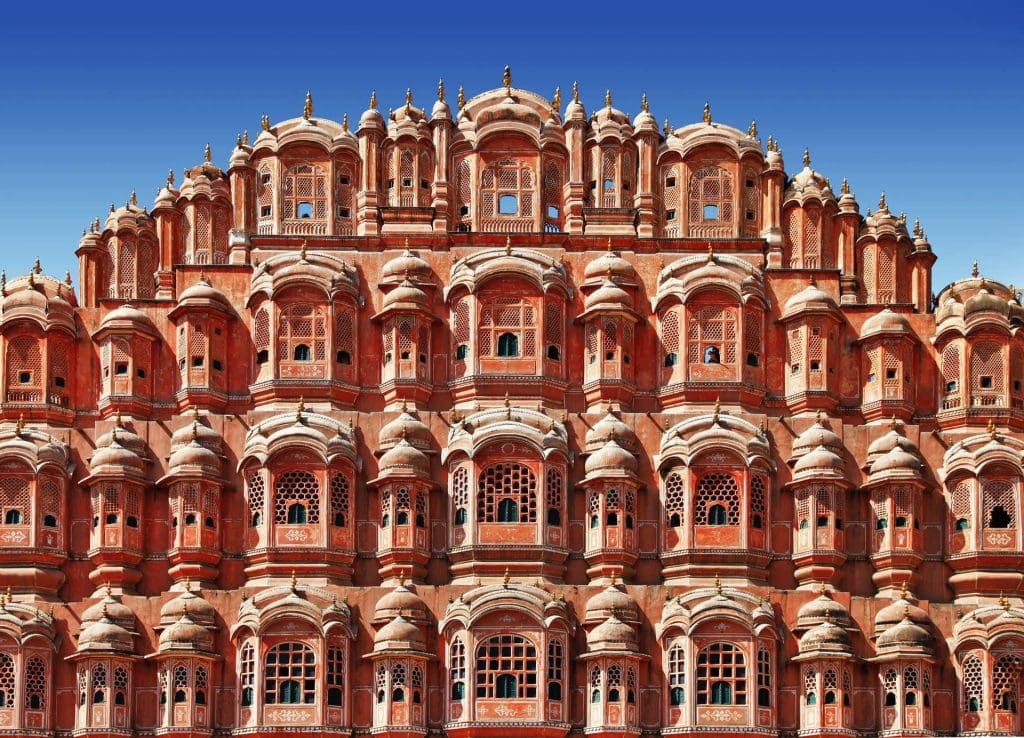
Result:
[{"x": 921, "y": 100}]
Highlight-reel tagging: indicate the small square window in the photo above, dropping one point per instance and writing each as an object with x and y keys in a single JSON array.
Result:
[
  {"x": 871, "y": 377},
  {"x": 750, "y": 183},
  {"x": 795, "y": 369},
  {"x": 424, "y": 184},
  {"x": 890, "y": 374},
  {"x": 609, "y": 185},
  {"x": 750, "y": 215},
  {"x": 625, "y": 186},
  {"x": 407, "y": 182},
  {"x": 391, "y": 184},
  {"x": 140, "y": 373},
  {"x": 1016, "y": 385},
  {"x": 951, "y": 386},
  {"x": 304, "y": 210},
  {"x": 552, "y": 212},
  {"x": 986, "y": 382},
  {"x": 710, "y": 212},
  {"x": 217, "y": 365},
  {"x": 344, "y": 213},
  {"x": 815, "y": 366},
  {"x": 61, "y": 382},
  {"x": 197, "y": 362},
  {"x": 670, "y": 182},
  {"x": 265, "y": 211},
  {"x": 508, "y": 205},
  {"x": 265, "y": 179},
  {"x": 342, "y": 179},
  {"x": 25, "y": 377},
  {"x": 121, "y": 368},
  {"x": 670, "y": 215}
]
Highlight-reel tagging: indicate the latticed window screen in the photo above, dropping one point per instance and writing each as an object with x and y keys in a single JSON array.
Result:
[
  {"x": 457, "y": 662},
  {"x": 460, "y": 489},
  {"x": 24, "y": 370},
  {"x": 463, "y": 190},
  {"x": 554, "y": 490},
  {"x": 126, "y": 269},
  {"x": 506, "y": 656},
  {"x": 344, "y": 334},
  {"x": 672, "y": 200},
  {"x": 261, "y": 329},
  {"x": 35, "y": 684},
  {"x": 265, "y": 193},
  {"x": 885, "y": 291},
  {"x": 507, "y": 493},
  {"x": 302, "y": 333},
  {"x": 553, "y": 327},
  {"x": 247, "y": 673},
  {"x": 556, "y": 664},
  {"x": 203, "y": 231},
  {"x": 339, "y": 500},
  {"x": 812, "y": 238},
  {"x": 256, "y": 493},
  {"x": 1005, "y": 677},
  {"x": 710, "y": 196},
  {"x": 869, "y": 285},
  {"x": 297, "y": 487},
  {"x": 675, "y": 498},
  {"x": 289, "y": 675},
  {"x": 15, "y": 501},
  {"x": 721, "y": 675},
  {"x": 670, "y": 335},
  {"x": 751, "y": 203},
  {"x": 999, "y": 501},
  {"x": 676, "y": 674},
  {"x": 609, "y": 178},
  {"x": 794, "y": 238},
  {"x": 972, "y": 679},
  {"x": 764, "y": 678},
  {"x": 795, "y": 351},
  {"x": 716, "y": 490},
  {"x": 508, "y": 315},
  {"x": 304, "y": 192},
  {"x": 911, "y": 683},
  {"x": 758, "y": 495},
  {"x": 552, "y": 196},
  {"x": 336, "y": 667},
  {"x": 713, "y": 329},
  {"x": 987, "y": 367},
  {"x": 951, "y": 368},
  {"x": 811, "y": 685},
  {"x": 6, "y": 680},
  {"x": 344, "y": 201},
  {"x": 752, "y": 333}
]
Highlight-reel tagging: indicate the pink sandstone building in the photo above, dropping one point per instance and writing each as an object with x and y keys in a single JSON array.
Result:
[{"x": 510, "y": 419}]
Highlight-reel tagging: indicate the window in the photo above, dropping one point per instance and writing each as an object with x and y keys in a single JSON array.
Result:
[
  {"x": 508, "y": 205},
  {"x": 302, "y": 332},
  {"x": 457, "y": 669},
  {"x": 721, "y": 675},
  {"x": 461, "y": 352},
  {"x": 301, "y": 352},
  {"x": 712, "y": 335},
  {"x": 507, "y": 493},
  {"x": 296, "y": 514},
  {"x": 297, "y": 498},
  {"x": 506, "y": 668},
  {"x": 509, "y": 322},
  {"x": 717, "y": 500},
  {"x": 676, "y": 676},
  {"x": 710, "y": 212},
  {"x": 508, "y": 345},
  {"x": 335, "y": 676},
  {"x": 12, "y": 517},
  {"x": 289, "y": 677}
]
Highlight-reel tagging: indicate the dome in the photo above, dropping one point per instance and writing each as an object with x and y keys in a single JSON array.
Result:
[
  {"x": 406, "y": 294},
  {"x": 195, "y": 455},
  {"x": 399, "y": 632},
  {"x": 808, "y": 183},
  {"x": 401, "y": 601},
  {"x": 612, "y": 266},
  {"x": 116, "y": 455},
  {"x": 113, "y": 609},
  {"x": 408, "y": 113},
  {"x": 896, "y": 460},
  {"x": 885, "y": 321},
  {"x": 985, "y": 301},
  {"x": 896, "y": 611},
  {"x": 405, "y": 266},
  {"x": 105, "y": 635},
  {"x": 818, "y": 460},
  {"x": 403, "y": 459},
  {"x": 406, "y": 426},
  {"x": 810, "y": 298},
  {"x": 825, "y": 636},
  {"x": 887, "y": 442},
  {"x": 613, "y": 633},
  {"x": 611, "y": 601},
  {"x": 127, "y": 317},
  {"x": 816, "y": 435},
  {"x": 198, "y": 609},
  {"x": 822, "y": 609},
  {"x": 186, "y": 634},
  {"x": 903, "y": 635},
  {"x": 611, "y": 458},
  {"x": 196, "y": 430},
  {"x": 609, "y": 428},
  {"x": 609, "y": 294}
]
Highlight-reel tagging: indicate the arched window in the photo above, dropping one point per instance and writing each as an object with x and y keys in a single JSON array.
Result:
[
  {"x": 972, "y": 679},
  {"x": 296, "y": 513},
  {"x": 506, "y": 667},
  {"x": 721, "y": 675},
  {"x": 764, "y": 678},
  {"x": 302, "y": 332},
  {"x": 247, "y": 674},
  {"x": 676, "y": 676},
  {"x": 304, "y": 195},
  {"x": 999, "y": 499},
  {"x": 457, "y": 669},
  {"x": 675, "y": 498},
  {"x": 289, "y": 675},
  {"x": 508, "y": 345},
  {"x": 12, "y": 517},
  {"x": 335, "y": 676},
  {"x": 555, "y": 668},
  {"x": 35, "y": 684},
  {"x": 1005, "y": 677},
  {"x": 710, "y": 200},
  {"x": 507, "y": 493}
]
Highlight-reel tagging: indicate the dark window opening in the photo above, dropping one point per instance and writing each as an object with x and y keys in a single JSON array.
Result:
[
  {"x": 217, "y": 366},
  {"x": 554, "y": 353},
  {"x": 675, "y": 520},
  {"x": 61, "y": 382},
  {"x": 951, "y": 386},
  {"x": 50, "y": 521},
  {"x": 753, "y": 360},
  {"x": 112, "y": 519},
  {"x": 296, "y": 514},
  {"x": 670, "y": 182},
  {"x": 999, "y": 518},
  {"x": 131, "y": 521},
  {"x": 677, "y": 696},
  {"x": 12, "y": 517},
  {"x": 711, "y": 355},
  {"x": 962, "y": 524},
  {"x": 554, "y": 691},
  {"x": 262, "y": 357},
  {"x": 461, "y": 352},
  {"x": 764, "y": 697},
  {"x": 190, "y": 519},
  {"x": 670, "y": 215},
  {"x": 508, "y": 345},
  {"x": 554, "y": 517},
  {"x": 209, "y": 522},
  {"x": 197, "y": 361},
  {"x": 343, "y": 357},
  {"x": 901, "y": 522},
  {"x": 121, "y": 368},
  {"x": 815, "y": 366},
  {"x": 756, "y": 521},
  {"x": 265, "y": 211},
  {"x": 717, "y": 515},
  {"x": 140, "y": 373},
  {"x": 671, "y": 359},
  {"x": 890, "y": 374},
  {"x": 508, "y": 511},
  {"x": 986, "y": 382},
  {"x": 302, "y": 353},
  {"x": 460, "y": 516},
  {"x": 334, "y": 697}
]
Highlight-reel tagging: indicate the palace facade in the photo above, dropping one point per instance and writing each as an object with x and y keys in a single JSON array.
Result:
[{"x": 509, "y": 420}]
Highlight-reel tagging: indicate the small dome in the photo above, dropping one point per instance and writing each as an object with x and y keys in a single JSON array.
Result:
[
  {"x": 822, "y": 609},
  {"x": 116, "y": 455},
  {"x": 610, "y": 265},
  {"x": 816, "y": 435},
  {"x": 820, "y": 459},
  {"x": 825, "y": 636},
  {"x": 197, "y": 608},
  {"x": 985, "y": 301},
  {"x": 608, "y": 294},
  {"x": 611, "y": 458},
  {"x": 905, "y": 634},
  {"x": 194, "y": 455},
  {"x": 399, "y": 632},
  {"x": 896, "y": 611},
  {"x": 896, "y": 460},
  {"x": 405, "y": 266},
  {"x": 611, "y": 601},
  {"x": 810, "y": 298},
  {"x": 608, "y": 428},
  {"x": 186, "y": 634},
  {"x": 402, "y": 459},
  {"x": 406, "y": 426},
  {"x": 613, "y": 633},
  {"x": 105, "y": 635},
  {"x": 127, "y": 316},
  {"x": 401, "y": 601},
  {"x": 887, "y": 442},
  {"x": 204, "y": 293},
  {"x": 407, "y": 295},
  {"x": 198, "y": 431},
  {"x": 885, "y": 321},
  {"x": 113, "y": 609}
]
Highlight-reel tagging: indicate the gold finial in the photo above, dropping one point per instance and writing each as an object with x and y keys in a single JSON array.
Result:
[
  {"x": 506, "y": 79},
  {"x": 462, "y": 97},
  {"x": 67, "y": 278},
  {"x": 506, "y": 404},
  {"x": 881, "y": 202},
  {"x": 608, "y": 99},
  {"x": 170, "y": 178},
  {"x": 903, "y": 590},
  {"x": 96, "y": 225},
  {"x": 300, "y": 409},
  {"x": 711, "y": 253},
  {"x": 31, "y": 279},
  {"x": 613, "y": 580},
  {"x": 974, "y": 269},
  {"x": 440, "y": 90},
  {"x": 104, "y": 613},
  {"x": 245, "y": 137},
  {"x": 113, "y": 435},
  {"x": 238, "y": 140},
  {"x": 295, "y": 582},
  {"x": 401, "y": 578},
  {"x": 38, "y": 267},
  {"x": 508, "y": 576},
  {"x": 644, "y": 106},
  {"x": 508, "y": 245},
  {"x": 917, "y": 227},
  {"x": 408, "y": 98},
  {"x": 207, "y": 154},
  {"x": 717, "y": 412},
  {"x": 20, "y": 426},
  {"x": 195, "y": 432},
  {"x": 265, "y": 122},
  {"x": 609, "y": 247},
  {"x": 302, "y": 250},
  {"x": 307, "y": 109},
  {"x": 344, "y": 122},
  {"x": 718, "y": 584},
  {"x": 188, "y": 584},
  {"x": 373, "y": 100},
  {"x": 845, "y": 188},
  {"x": 707, "y": 113},
  {"x": 575, "y": 91},
  {"x": 667, "y": 128},
  {"x": 1003, "y": 602},
  {"x": 556, "y": 101},
  {"x": 3, "y": 283},
  {"x": 752, "y": 131},
  {"x": 807, "y": 157},
  {"x": 991, "y": 428}
]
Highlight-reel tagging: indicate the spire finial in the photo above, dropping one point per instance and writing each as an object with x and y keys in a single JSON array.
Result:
[
  {"x": 238, "y": 140},
  {"x": 881, "y": 202},
  {"x": 170, "y": 178},
  {"x": 506, "y": 404},
  {"x": 265, "y": 122},
  {"x": 245, "y": 137},
  {"x": 707, "y": 113},
  {"x": 991, "y": 428},
  {"x": 401, "y": 578},
  {"x": 845, "y": 189},
  {"x": 717, "y": 411},
  {"x": 295, "y": 582},
  {"x": 903, "y": 590},
  {"x": 3, "y": 283},
  {"x": 807, "y": 157},
  {"x": 37, "y": 267},
  {"x": 667, "y": 128},
  {"x": 974, "y": 269},
  {"x": 307, "y": 109},
  {"x": 575, "y": 91},
  {"x": 609, "y": 249},
  {"x": 508, "y": 576},
  {"x": 462, "y": 97},
  {"x": 440, "y": 90},
  {"x": 608, "y": 99},
  {"x": 20, "y": 426},
  {"x": 302, "y": 250},
  {"x": 644, "y": 106},
  {"x": 614, "y": 579},
  {"x": 408, "y": 98},
  {"x": 188, "y": 584},
  {"x": 506, "y": 79},
  {"x": 556, "y": 101},
  {"x": 373, "y": 100},
  {"x": 67, "y": 278},
  {"x": 718, "y": 584},
  {"x": 752, "y": 131},
  {"x": 300, "y": 409},
  {"x": 508, "y": 245},
  {"x": 195, "y": 432},
  {"x": 207, "y": 154}
]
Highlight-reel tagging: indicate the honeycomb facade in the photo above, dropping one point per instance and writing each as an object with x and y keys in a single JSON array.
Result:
[{"x": 509, "y": 420}]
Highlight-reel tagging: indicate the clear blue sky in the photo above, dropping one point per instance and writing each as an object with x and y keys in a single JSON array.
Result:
[{"x": 922, "y": 100}]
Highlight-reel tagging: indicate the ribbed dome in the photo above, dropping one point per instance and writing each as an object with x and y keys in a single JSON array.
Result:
[
  {"x": 610, "y": 265},
  {"x": 405, "y": 458},
  {"x": 611, "y": 457},
  {"x": 896, "y": 611},
  {"x": 198, "y": 609},
  {"x": 406, "y": 426},
  {"x": 611, "y": 601},
  {"x": 896, "y": 460},
  {"x": 903, "y": 635},
  {"x": 985, "y": 301},
  {"x": 113, "y": 609},
  {"x": 116, "y": 455},
  {"x": 825, "y": 636},
  {"x": 610, "y": 295},
  {"x": 810, "y": 297},
  {"x": 610, "y": 427},
  {"x": 105, "y": 635},
  {"x": 886, "y": 321},
  {"x": 203, "y": 292},
  {"x": 406, "y": 294},
  {"x": 405, "y": 266},
  {"x": 194, "y": 455},
  {"x": 820, "y": 459},
  {"x": 401, "y": 601},
  {"x": 126, "y": 314},
  {"x": 186, "y": 634},
  {"x": 821, "y": 609},
  {"x": 206, "y": 435},
  {"x": 613, "y": 633},
  {"x": 816, "y": 435},
  {"x": 399, "y": 632},
  {"x": 887, "y": 442}
]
